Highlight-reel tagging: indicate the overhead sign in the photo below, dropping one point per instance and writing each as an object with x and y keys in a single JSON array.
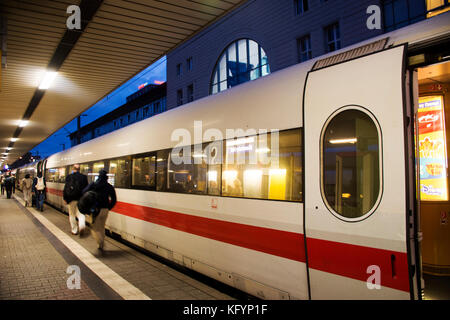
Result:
[{"x": 432, "y": 149}]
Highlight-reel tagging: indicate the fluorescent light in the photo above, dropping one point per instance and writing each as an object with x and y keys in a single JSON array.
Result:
[
  {"x": 239, "y": 141},
  {"x": 8, "y": 148},
  {"x": 14, "y": 139},
  {"x": 197, "y": 155},
  {"x": 340, "y": 141},
  {"x": 48, "y": 79},
  {"x": 23, "y": 123}
]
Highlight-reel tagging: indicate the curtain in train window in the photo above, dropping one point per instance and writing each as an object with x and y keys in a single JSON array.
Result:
[{"x": 350, "y": 164}]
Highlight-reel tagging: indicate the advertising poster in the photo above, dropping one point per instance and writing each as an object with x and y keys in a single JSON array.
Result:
[{"x": 432, "y": 149}]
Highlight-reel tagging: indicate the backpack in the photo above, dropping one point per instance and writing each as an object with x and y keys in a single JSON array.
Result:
[
  {"x": 88, "y": 203},
  {"x": 40, "y": 184},
  {"x": 72, "y": 189}
]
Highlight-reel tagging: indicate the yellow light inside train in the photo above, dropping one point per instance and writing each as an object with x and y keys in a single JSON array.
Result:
[
  {"x": 343, "y": 141},
  {"x": 230, "y": 175},
  {"x": 49, "y": 77},
  {"x": 212, "y": 176},
  {"x": 277, "y": 184},
  {"x": 346, "y": 195},
  {"x": 14, "y": 139}
]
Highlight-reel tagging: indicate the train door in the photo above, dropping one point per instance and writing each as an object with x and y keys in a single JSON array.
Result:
[
  {"x": 357, "y": 188},
  {"x": 430, "y": 88}
]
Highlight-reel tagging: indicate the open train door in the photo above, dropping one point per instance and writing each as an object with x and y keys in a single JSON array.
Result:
[{"x": 359, "y": 177}]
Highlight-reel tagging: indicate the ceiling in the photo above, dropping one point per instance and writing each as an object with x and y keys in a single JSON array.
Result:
[
  {"x": 435, "y": 74},
  {"x": 118, "y": 40}
]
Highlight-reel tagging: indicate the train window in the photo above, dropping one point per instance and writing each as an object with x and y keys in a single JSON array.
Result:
[
  {"x": 86, "y": 169},
  {"x": 96, "y": 167},
  {"x": 267, "y": 166},
  {"x": 162, "y": 157},
  {"x": 52, "y": 175},
  {"x": 119, "y": 173},
  {"x": 62, "y": 174},
  {"x": 351, "y": 164},
  {"x": 189, "y": 176},
  {"x": 144, "y": 171}
]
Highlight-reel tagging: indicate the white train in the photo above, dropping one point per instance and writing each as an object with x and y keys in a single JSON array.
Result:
[{"x": 335, "y": 218}]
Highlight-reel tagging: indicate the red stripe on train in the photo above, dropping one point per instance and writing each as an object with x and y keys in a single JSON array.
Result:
[
  {"x": 352, "y": 261},
  {"x": 338, "y": 258},
  {"x": 284, "y": 244},
  {"x": 55, "y": 191}
]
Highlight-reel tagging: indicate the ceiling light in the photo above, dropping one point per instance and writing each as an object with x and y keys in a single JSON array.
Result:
[
  {"x": 339, "y": 141},
  {"x": 23, "y": 123},
  {"x": 48, "y": 80},
  {"x": 14, "y": 139},
  {"x": 8, "y": 148}
]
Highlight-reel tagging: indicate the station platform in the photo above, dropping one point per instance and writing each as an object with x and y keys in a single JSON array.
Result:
[{"x": 39, "y": 258}]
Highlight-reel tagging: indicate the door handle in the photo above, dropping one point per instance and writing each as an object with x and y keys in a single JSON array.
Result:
[{"x": 393, "y": 268}]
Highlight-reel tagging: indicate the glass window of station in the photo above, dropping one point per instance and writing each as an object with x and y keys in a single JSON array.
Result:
[
  {"x": 243, "y": 60},
  {"x": 333, "y": 37}
]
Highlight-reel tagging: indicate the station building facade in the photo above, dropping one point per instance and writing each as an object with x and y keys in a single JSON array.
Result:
[
  {"x": 144, "y": 103},
  {"x": 263, "y": 36}
]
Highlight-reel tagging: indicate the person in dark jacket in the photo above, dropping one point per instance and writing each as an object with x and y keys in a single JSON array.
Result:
[
  {"x": 39, "y": 185},
  {"x": 9, "y": 182},
  {"x": 75, "y": 184},
  {"x": 106, "y": 199}
]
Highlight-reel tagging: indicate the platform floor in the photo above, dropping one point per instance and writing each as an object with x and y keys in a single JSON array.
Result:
[{"x": 36, "y": 249}]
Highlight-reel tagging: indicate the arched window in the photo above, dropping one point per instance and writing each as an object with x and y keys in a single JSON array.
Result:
[{"x": 242, "y": 61}]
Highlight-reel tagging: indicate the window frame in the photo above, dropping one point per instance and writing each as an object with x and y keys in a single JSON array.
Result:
[
  {"x": 301, "y": 6},
  {"x": 336, "y": 40},
  {"x": 179, "y": 97},
  {"x": 300, "y": 52},
  {"x": 137, "y": 156},
  {"x": 227, "y": 83},
  {"x": 380, "y": 162}
]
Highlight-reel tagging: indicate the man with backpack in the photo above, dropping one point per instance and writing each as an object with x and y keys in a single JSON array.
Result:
[
  {"x": 101, "y": 197},
  {"x": 8, "y": 186},
  {"x": 75, "y": 183},
  {"x": 39, "y": 190}
]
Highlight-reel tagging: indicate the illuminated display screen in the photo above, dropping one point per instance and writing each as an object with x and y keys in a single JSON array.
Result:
[{"x": 432, "y": 149}]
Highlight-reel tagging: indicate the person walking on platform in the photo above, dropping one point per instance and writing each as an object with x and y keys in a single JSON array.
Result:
[
  {"x": 13, "y": 177},
  {"x": 39, "y": 190},
  {"x": 75, "y": 183},
  {"x": 8, "y": 186},
  {"x": 2, "y": 182},
  {"x": 27, "y": 185},
  {"x": 105, "y": 200}
]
